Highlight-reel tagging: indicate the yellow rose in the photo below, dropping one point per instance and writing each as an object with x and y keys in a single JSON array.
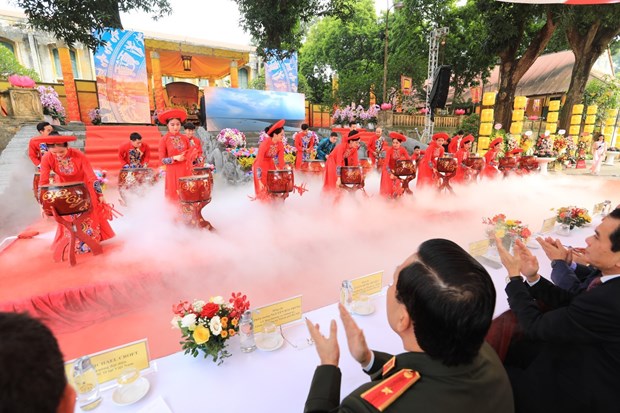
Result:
[
  {"x": 201, "y": 334},
  {"x": 500, "y": 233},
  {"x": 510, "y": 222}
]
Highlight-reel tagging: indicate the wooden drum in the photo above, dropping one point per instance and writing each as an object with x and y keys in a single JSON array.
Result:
[
  {"x": 529, "y": 163},
  {"x": 351, "y": 175},
  {"x": 366, "y": 164},
  {"x": 405, "y": 167},
  {"x": 129, "y": 177},
  {"x": 67, "y": 198},
  {"x": 195, "y": 188},
  {"x": 314, "y": 166},
  {"x": 475, "y": 162},
  {"x": 280, "y": 181},
  {"x": 35, "y": 184},
  {"x": 507, "y": 163},
  {"x": 447, "y": 165},
  {"x": 204, "y": 171}
]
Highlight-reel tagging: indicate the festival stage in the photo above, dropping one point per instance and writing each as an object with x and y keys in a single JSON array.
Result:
[{"x": 306, "y": 245}]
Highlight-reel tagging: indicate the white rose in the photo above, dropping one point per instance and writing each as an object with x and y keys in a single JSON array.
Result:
[
  {"x": 198, "y": 304},
  {"x": 216, "y": 325},
  {"x": 189, "y": 321},
  {"x": 175, "y": 321},
  {"x": 218, "y": 299}
]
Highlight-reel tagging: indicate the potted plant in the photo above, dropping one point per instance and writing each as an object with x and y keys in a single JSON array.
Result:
[{"x": 52, "y": 106}]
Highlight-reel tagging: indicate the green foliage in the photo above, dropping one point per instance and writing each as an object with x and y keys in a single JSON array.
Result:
[
  {"x": 75, "y": 21},
  {"x": 605, "y": 94},
  {"x": 353, "y": 50},
  {"x": 470, "y": 124},
  {"x": 9, "y": 65},
  {"x": 277, "y": 26},
  {"x": 258, "y": 82}
]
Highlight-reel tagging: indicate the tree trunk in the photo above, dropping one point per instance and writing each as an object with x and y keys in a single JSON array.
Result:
[
  {"x": 512, "y": 70},
  {"x": 586, "y": 48}
]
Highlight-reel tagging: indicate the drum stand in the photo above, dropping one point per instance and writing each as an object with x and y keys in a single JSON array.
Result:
[
  {"x": 277, "y": 195},
  {"x": 191, "y": 212},
  {"x": 405, "y": 179},
  {"x": 351, "y": 188},
  {"x": 73, "y": 227},
  {"x": 444, "y": 181}
]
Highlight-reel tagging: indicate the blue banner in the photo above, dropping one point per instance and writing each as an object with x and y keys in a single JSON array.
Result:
[{"x": 281, "y": 75}]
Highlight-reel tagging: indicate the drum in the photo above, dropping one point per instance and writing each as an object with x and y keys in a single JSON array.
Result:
[
  {"x": 195, "y": 188},
  {"x": 67, "y": 198},
  {"x": 529, "y": 163},
  {"x": 35, "y": 183},
  {"x": 474, "y": 162},
  {"x": 405, "y": 167},
  {"x": 351, "y": 175},
  {"x": 280, "y": 181},
  {"x": 507, "y": 163},
  {"x": 313, "y": 166},
  {"x": 204, "y": 171},
  {"x": 447, "y": 165},
  {"x": 129, "y": 177}
]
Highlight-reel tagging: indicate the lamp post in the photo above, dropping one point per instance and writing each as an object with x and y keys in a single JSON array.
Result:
[{"x": 398, "y": 5}]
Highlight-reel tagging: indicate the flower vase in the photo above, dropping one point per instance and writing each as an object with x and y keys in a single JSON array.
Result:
[{"x": 564, "y": 230}]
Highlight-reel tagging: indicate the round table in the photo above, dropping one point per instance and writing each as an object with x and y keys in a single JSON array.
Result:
[{"x": 544, "y": 163}]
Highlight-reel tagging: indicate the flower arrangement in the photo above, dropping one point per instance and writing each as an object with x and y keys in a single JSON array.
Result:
[
  {"x": 206, "y": 326},
  {"x": 500, "y": 226},
  {"x": 102, "y": 177},
  {"x": 526, "y": 143},
  {"x": 573, "y": 216},
  {"x": 231, "y": 138},
  {"x": 544, "y": 147},
  {"x": 245, "y": 156},
  {"x": 352, "y": 113},
  {"x": 510, "y": 143},
  {"x": 95, "y": 116},
  {"x": 21, "y": 81},
  {"x": 559, "y": 144},
  {"x": 51, "y": 103}
]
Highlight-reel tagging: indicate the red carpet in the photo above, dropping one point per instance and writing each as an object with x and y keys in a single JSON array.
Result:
[{"x": 102, "y": 144}]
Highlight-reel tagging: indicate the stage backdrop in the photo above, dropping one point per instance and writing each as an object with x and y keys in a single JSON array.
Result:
[
  {"x": 281, "y": 75},
  {"x": 251, "y": 110},
  {"x": 120, "y": 66}
]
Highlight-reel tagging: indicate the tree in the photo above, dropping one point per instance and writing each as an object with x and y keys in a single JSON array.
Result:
[
  {"x": 517, "y": 34},
  {"x": 603, "y": 93},
  {"x": 589, "y": 30},
  {"x": 9, "y": 65},
  {"x": 352, "y": 50},
  {"x": 277, "y": 26},
  {"x": 82, "y": 21}
]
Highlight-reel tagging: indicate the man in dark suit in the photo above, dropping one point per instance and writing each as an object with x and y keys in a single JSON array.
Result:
[
  {"x": 441, "y": 305},
  {"x": 576, "y": 363}
]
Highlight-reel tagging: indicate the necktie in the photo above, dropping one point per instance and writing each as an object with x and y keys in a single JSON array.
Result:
[{"x": 594, "y": 283}]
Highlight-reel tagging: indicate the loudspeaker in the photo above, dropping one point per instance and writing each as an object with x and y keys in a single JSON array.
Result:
[{"x": 441, "y": 84}]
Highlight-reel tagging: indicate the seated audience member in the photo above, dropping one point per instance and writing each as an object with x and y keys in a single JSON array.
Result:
[
  {"x": 32, "y": 372},
  {"x": 440, "y": 304},
  {"x": 573, "y": 358}
]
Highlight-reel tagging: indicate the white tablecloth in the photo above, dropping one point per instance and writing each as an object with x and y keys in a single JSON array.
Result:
[{"x": 279, "y": 380}]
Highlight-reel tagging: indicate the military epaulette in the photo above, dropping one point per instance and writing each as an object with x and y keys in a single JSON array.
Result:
[
  {"x": 390, "y": 389},
  {"x": 387, "y": 367}
]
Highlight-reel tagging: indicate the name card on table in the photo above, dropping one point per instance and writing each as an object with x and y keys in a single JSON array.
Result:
[
  {"x": 547, "y": 225},
  {"x": 279, "y": 313},
  {"x": 367, "y": 284},
  {"x": 598, "y": 208},
  {"x": 109, "y": 363},
  {"x": 479, "y": 248}
]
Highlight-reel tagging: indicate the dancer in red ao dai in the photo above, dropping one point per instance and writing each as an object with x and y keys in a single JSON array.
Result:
[
  {"x": 37, "y": 147},
  {"x": 304, "y": 143},
  {"x": 391, "y": 186},
  {"x": 463, "y": 172},
  {"x": 267, "y": 151},
  {"x": 71, "y": 165},
  {"x": 490, "y": 170},
  {"x": 344, "y": 154},
  {"x": 174, "y": 151},
  {"x": 427, "y": 166}
]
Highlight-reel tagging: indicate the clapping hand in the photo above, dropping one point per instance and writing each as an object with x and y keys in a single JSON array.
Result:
[
  {"x": 326, "y": 347},
  {"x": 554, "y": 249},
  {"x": 522, "y": 262},
  {"x": 355, "y": 338}
]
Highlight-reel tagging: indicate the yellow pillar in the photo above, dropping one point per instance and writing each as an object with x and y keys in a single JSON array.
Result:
[
  {"x": 73, "y": 108},
  {"x": 234, "y": 74},
  {"x": 149, "y": 85},
  {"x": 160, "y": 101}
]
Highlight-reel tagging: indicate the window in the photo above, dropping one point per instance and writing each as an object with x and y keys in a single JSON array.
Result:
[
  {"x": 57, "y": 66},
  {"x": 9, "y": 45}
]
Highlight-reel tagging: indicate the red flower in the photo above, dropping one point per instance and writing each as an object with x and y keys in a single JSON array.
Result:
[
  {"x": 526, "y": 233},
  {"x": 240, "y": 304},
  {"x": 209, "y": 310},
  {"x": 181, "y": 308}
]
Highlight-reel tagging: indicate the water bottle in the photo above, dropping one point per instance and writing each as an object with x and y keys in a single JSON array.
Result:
[
  {"x": 86, "y": 384},
  {"x": 346, "y": 294},
  {"x": 246, "y": 332}
]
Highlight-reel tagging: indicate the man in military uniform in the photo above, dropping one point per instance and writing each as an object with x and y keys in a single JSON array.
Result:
[{"x": 448, "y": 367}]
